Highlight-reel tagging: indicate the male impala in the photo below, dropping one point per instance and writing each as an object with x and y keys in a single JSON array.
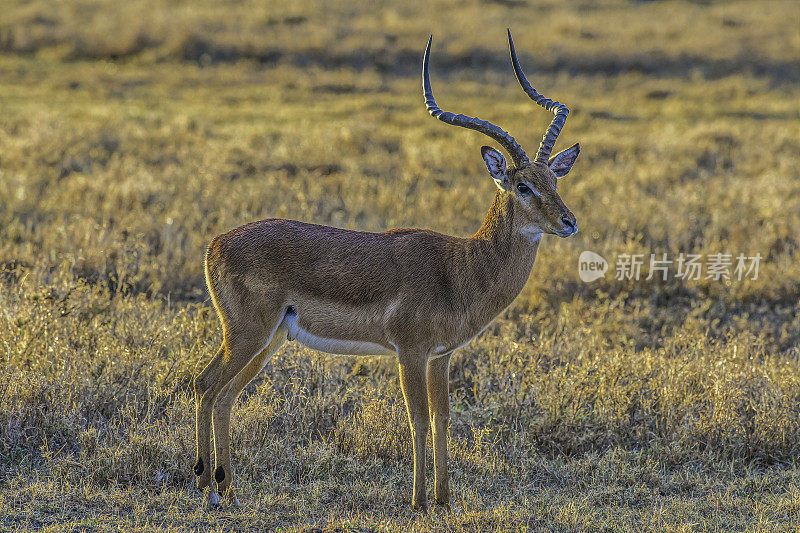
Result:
[{"x": 411, "y": 292}]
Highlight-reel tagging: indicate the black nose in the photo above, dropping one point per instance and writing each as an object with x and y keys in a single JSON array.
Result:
[{"x": 568, "y": 223}]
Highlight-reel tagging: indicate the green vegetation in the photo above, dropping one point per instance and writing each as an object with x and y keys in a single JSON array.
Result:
[{"x": 132, "y": 133}]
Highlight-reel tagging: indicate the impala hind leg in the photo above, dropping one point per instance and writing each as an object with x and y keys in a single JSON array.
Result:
[
  {"x": 223, "y": 474},
  {"x": 413, "y": 381},
  {"x": 202, "y": 466},
  {"x": 246, "y": 334}
]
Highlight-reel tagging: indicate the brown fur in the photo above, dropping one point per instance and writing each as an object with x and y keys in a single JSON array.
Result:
[{"x": 409, "y": 290}]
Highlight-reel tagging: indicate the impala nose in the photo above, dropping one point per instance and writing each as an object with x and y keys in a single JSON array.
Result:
[{"x": 569, "y": 225}]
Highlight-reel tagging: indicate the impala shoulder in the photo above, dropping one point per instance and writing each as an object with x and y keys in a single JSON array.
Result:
[
  {"x": 412, "y": 236},
  {"x": 419, "y": 244}
]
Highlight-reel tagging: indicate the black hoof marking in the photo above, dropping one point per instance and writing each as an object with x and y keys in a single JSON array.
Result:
[
  {"x": 219, "y": 474},
  {"x": 198, "y": 467}
]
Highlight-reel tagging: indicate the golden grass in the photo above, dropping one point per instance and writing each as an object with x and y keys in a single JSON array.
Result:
[{"x": 131, "y": 134}]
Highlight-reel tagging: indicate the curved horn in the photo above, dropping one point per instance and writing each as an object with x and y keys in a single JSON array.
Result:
[
  {"x": 473, "y": 123},
  {"x": 559, "y": 109}
]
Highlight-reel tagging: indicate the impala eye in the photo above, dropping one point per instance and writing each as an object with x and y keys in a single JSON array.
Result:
[{"x": 523, "y": 189}]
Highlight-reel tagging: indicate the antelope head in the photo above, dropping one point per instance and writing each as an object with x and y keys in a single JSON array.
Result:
[{"x": 532, "y": 184}]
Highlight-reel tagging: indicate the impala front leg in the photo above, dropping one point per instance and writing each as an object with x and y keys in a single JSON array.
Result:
[
  {"x": 414, "y": 383},
  {"x": 439, "y": 407}
]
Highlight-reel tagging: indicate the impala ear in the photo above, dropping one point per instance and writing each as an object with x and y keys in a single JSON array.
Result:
[
  {"x": 562, "y": 162},
  {"x": 496, "y": 164}
]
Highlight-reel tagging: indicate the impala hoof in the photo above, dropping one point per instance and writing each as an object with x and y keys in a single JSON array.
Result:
[
  {"x": 228, "y": 497},
  {"x": 445, "y": 506},
  {"x": 212, "y": 501}
]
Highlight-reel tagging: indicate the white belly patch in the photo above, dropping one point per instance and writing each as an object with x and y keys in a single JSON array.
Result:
[{"x": 332, "y": 346}]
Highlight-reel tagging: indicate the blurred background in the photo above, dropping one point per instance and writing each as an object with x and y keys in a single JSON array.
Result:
[{"x": 132, "y": 133}]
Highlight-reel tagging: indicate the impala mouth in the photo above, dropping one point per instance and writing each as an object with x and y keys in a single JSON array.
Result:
[{"x": 570, "y": 228}]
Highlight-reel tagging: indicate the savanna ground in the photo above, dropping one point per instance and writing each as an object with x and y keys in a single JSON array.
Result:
[{"x": 132, "y": 133}]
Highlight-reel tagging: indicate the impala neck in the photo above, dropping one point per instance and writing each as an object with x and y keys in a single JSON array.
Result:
[
  {"x": 502, "y": 227},
  {"x": 503, "y": 258}
]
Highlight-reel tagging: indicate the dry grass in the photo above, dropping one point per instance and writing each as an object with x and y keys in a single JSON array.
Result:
[{"x": 130, "y": 135}]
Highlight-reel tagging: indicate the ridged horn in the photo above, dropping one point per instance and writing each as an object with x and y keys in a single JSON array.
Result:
[
  {"x": 473, "y": 123},
  {"x": 559, "y": 109}
]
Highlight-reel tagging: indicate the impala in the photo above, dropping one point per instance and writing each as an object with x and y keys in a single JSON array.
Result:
[{"x": 411, "y": 292}]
